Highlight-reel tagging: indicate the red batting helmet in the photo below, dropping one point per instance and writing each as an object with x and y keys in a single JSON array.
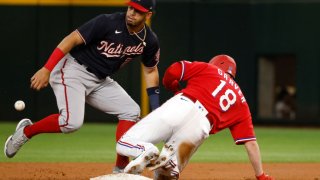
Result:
[{"x": 226, "y": 63}]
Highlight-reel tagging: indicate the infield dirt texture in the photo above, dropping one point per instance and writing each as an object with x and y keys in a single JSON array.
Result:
[
  {"x": 288, "y": 153},
  {"x": 214, "y": 171}
]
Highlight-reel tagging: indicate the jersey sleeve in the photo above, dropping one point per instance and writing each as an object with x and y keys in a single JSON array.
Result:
[
  {"x": 95, "y": 28},
  {"x": 151, "y": 55},
  {"x": 243, "y": 131},
  {"x": 172, "y": 76}
]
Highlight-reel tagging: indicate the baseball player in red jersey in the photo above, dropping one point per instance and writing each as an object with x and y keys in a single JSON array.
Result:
[
  {"x": 79, "y": 71},
  {"x": 210, "y": 102}
]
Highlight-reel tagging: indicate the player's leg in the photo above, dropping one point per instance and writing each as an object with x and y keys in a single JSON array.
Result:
[
  {"x": 188, "y": 143},
  {"x": 67, "y": 82},
  {"x": 157, "y": 126},
  {"x": 111, "y": 98},
  {"x": 184, "y": 142},
  {"x": 138, "y": 142},
  {"x": 169, "y": 171},
  {"x": 70, "y": 100},
  {"x": 142, "y": 152},
  {"x": 152, "y": 129},
  {"x": 172, "y": 168}
]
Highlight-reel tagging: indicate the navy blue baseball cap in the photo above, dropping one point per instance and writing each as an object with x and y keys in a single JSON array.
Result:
[{"x": 143, "y": 5}]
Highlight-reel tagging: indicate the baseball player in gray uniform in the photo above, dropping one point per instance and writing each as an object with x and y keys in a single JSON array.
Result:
[{"x": 79, "y": 70}]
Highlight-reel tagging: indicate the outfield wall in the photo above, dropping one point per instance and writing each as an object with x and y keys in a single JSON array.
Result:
[{"x": 186, "y": 29}]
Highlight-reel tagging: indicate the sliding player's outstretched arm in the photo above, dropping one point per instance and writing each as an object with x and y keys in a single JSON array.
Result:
[{"x": 253, "y": 151}]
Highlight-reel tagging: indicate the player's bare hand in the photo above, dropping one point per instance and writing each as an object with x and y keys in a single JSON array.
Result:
[{"x": 40, "y": 79}]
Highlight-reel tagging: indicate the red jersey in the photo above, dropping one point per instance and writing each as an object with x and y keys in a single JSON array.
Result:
[{"x": 218, "y": 93}]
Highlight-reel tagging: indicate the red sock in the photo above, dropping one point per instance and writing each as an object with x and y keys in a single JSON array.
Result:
[
  {"x": 49, "y": 124},
  {"x": 123, "y": 127}
]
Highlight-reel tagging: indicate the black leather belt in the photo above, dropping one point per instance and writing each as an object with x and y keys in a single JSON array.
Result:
[{"x": 87, "y": 68}]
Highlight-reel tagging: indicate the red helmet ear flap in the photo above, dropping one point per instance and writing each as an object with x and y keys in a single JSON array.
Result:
[{"x": 225, "y": 63}]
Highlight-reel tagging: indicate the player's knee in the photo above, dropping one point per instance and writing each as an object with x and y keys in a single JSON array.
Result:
[
  {"x": 133, "y": 113},
  {"x": 73, "y": 127},
  {"x": 120, "y": 150},
  {"x": 70, "y": 125}
]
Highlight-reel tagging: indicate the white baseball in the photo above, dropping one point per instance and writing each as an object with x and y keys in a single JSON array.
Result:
[{"x": 19, "y": 105}]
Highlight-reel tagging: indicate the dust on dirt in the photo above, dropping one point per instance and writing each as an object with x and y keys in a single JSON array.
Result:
[{"x": 208, "y": 171}]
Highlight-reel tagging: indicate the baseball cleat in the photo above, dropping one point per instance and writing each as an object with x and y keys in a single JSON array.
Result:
[
  {"x": 117, "y": 170},
  {"x": 17, "y": 140},
  {"x": 137, "y": 165},
  {"x": 165, "y": 156}
]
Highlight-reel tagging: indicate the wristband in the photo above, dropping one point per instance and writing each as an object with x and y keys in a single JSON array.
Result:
[
  {"x": 153, "y": 93},
  {"x": 54, "y": 58}
]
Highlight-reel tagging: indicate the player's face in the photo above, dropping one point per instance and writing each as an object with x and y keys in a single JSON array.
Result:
[{"x": 135, "y": 17}]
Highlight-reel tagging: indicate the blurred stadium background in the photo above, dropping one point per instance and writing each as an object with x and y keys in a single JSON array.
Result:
[{"x": 275, "y": 43}]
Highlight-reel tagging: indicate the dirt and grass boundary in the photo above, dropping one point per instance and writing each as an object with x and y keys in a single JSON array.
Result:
[{"x": 214, "y": 171}]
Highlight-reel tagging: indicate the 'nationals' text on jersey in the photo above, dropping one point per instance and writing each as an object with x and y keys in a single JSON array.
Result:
[
  {"x": 109, "y": 45},
  {"x": 218, "y": 93}
]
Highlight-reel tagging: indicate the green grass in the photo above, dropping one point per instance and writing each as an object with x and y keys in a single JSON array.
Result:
[
  {"x": 92, "y": 143},
  {"x": 95, "y": 143},
  {"x": 276, "y": 145}
]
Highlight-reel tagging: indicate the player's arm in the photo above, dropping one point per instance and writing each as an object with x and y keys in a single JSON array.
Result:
[
  {"x": 41, "y": 78},
  {"x": 243, "y": 133},
  {"x": 253, "y": 151},
  {"x": 151, "y": 76},
  {"x": 69, "y": 42},
  {"x": 172, "y": 76}
]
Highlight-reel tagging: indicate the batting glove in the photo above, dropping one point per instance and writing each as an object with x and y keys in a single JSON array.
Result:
[{"x": 264, "y": 176}]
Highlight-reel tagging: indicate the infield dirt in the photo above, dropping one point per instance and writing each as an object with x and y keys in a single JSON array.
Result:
[{"x": 214, "y": 171}]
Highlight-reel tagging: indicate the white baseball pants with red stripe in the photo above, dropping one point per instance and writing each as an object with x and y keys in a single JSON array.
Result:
[{"x": 179, "y": 122}]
